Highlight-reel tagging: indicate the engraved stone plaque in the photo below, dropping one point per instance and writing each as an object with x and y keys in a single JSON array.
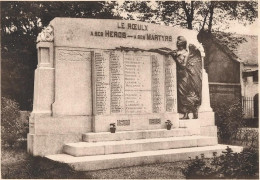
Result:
[
  {"x": 158, "y": 81},
  {"x": 134, "y": 83},
  {"x": 117, "y": 82},
  {"x": 170, "y": 85},
  {"x": 154, "y": 121},
  {"x": 133, "y": 86},
  {"x": 123, "y": 122},
  {"x": 102, "y": 85},
  {"x": 137, "y": 84}
]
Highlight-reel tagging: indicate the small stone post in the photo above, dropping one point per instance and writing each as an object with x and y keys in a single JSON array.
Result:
[{"x": 205, "y": 101}]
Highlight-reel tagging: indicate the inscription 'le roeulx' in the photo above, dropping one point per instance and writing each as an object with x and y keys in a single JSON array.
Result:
[{"x": 132, "y": 26}]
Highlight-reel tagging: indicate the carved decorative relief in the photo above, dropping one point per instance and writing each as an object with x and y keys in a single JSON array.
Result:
[
  {"x": 46, "y": 35},
  {"x": 123, "y": 122},
  {"x": 154, "y": 121}
]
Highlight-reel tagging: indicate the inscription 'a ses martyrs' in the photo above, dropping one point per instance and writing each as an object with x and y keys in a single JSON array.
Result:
[{"x": 131, "y": 26}]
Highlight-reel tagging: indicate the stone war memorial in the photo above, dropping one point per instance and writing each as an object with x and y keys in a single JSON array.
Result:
[{"x": 144, "y": 81}]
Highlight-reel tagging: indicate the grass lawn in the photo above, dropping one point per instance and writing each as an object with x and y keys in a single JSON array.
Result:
[{"x": 17, "y": 164}]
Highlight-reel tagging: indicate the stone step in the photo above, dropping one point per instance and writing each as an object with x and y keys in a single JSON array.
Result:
[
  {"x": 140, "y": 134},
  {"x": 127, "y": 146},
  {"x": 97, "y": 162}
]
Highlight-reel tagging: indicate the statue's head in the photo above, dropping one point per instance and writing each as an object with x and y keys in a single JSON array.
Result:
[{"x": 181, "y": 43}]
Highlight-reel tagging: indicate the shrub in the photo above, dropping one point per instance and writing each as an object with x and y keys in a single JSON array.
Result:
[
  {"x": 24, "y": 119},
  {"x": 248, "y": 137},
  {"x": 229, "y": 118},
  {"x": 197, "y": 169},
  {"x": 251, "y": 122},
  {"x": 228, "y": 165},
  {"x": 11, "y": 128},
  {"x": 239, "y": 165}
]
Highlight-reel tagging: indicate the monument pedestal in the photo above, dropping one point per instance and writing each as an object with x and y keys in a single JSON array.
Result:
[
  {"x": 107, "y": 150},
  {"x": 48, "y": 134}
]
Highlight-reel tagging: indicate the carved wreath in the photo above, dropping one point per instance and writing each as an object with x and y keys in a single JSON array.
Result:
[{"x": 46, "y": 35}]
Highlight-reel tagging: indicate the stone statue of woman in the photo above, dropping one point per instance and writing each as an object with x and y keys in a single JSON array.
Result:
[{"x": 189, "y": 76}]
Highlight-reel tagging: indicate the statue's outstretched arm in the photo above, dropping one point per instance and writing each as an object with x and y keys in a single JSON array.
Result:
[{"x": 162, "y": 51}]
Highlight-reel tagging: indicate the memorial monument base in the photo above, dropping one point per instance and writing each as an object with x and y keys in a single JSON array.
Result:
[
  {"x": 75, "y": 144},
  {"x": 48, "y": 134},
  {"x": 105, "y": 150}
]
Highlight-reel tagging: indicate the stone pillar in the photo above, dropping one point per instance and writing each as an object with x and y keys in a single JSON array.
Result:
[
  {"x": 206, "y": 115},
  {"x": 44, "y": 80},
  {"x": 205, "y": 101}
]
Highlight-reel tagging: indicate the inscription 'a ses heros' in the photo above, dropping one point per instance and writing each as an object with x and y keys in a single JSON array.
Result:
[{"x": 131, "y": 26}]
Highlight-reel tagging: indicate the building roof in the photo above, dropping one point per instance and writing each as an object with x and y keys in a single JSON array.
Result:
[
  {"x": 248, "y": 50},
  {"x": 245, "y": 47}
]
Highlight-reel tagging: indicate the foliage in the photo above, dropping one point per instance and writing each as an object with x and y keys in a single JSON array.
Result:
[
  {"x": 136, "y": 10},
  {"x": 112, "y": 125},
  {"x": 11, "y": 128},
  {"x": 192, "y": 15},
  {"x": 180, "y": 12},
  {"x": 229, "y": 118},
  {"x": 249, "y": 160},
  {"x": 248, "y": 137},
  {"x": 242, "y": 165},
  {"x": 168, "y": 122},
  {"x": 230, "y": 40},
  {"x": 17, "y": 78},
  {"x": 252, "y": 122},
  {"x": 227, "y": 165},
  {"x": 197, "y": 169}
]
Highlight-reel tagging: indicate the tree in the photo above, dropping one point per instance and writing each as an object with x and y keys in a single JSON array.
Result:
[
  {"x": 243, "y": 11},
  {"x": 180, "y": 12},
  {"x": 135, "y": 10},
  {"x": 195, "y": 14}
]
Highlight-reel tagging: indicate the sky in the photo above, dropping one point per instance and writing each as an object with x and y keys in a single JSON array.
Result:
[{"x": 252, "y": 29}]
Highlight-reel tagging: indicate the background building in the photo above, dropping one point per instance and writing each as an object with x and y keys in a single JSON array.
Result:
[
  {"x": 248, "y": 51},
  {"x": 232, "y": 65}
]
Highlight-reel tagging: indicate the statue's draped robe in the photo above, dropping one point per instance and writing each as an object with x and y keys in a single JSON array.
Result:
[{"x": 189, "y": 79}]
